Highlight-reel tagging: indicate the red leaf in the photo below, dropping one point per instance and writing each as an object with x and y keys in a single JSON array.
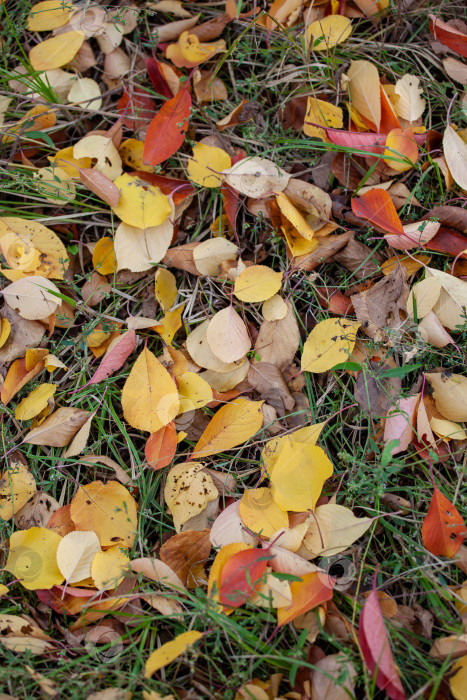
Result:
[
  {"x": 359, "y": 140},
  {"x": 160, "y": 447},
  {"x": 177, "y": 189},
  {"x": 115, "y": 358},
  {"x": 241, "y": 576},
  {"x": 314, "y": 588},
  {"x": 376, "y": 650},
  {"x": 157, "y": 79},
  {"x": 137, "y": 109},
  {"x": 447, "y": 35},
  {"x": 167, "y": 131},
  {"x": 376, "y": 206},
  {"x": 448, "y": 241},
  {"x": 334, "y": 301},
  {"x": 443, "y": 529},
  {"x": 230, "y": 202}
]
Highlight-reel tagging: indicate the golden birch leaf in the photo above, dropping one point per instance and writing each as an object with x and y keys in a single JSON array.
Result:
[
  {"x": 169, "y": 324},
  {"x": 274, "y": 309},
  {"x": 140, "y": 205},
  {"x": 47, "y": 15},
  {"x": 232, "y": 425},
  {"x": 108, "y": 568},
  {"x": 299, "y": 475},
  {"x": 330, "y": 342},
  {"x": 455, "y": 152},
  {"x": 257, "y": 283},
  {"x": 165, "y": 288},
  {"x": 194, "y": 392},
  {"x": 451, "y": 304},
  {"x": 320, "y": 113},
  {"x": 297, "y": 220},
  {"x": 201, "y": 353},
  {"x": 207, "y": 164},
  {"x": 364, "y": 89},
  {"x": 137, "y": 249},
  {"x": 458, "y": 681},
  {"x": 57, "y": 51},
  {"x": 170, "y": 651},
  {"x": 33, "y": 558},
  {"x": 188, "y": 490},
  {"x": 58, "y": 429},
  {"x": 410, "y": 104},
  {"x": 107, "y": 509},
  {"x": 208, "y": 255},
  {"x": 80, "y": 440},
  {"x": 5, "y": 329},
  {"x": 260, "y": 513},
  {"x": 103, "y": 256},
  {"x": 333, "y": 529},
  {"x": 103, "y": 150},
  {"x": 328, "y": 32},
  {"x": 35, "y": 402},
  {"x": 450, "y": 395},
  {"x": 33, "y": 298},
  {"x": 149, "y": 397},
  {"x": 75, "y": 554},
  {"x": 227, "y": 336},
  {"x": 17, "y": 487}
]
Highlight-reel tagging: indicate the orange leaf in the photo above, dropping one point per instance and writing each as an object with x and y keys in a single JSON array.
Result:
[
  {"x": 160, "y": 447},
  {"x": 314, "y": 588},
  {"x": 389, "y": 118},
  {"x": 17, "y": 377},
  {"x": 376, "y": 207},
  {"x": 400, "y": 148},
  {"x": 166, "y": 132},
  {"x": 241, "y": 576},
  {"x": 449, "y": 36},
  {"x": 443, "y": 529}
]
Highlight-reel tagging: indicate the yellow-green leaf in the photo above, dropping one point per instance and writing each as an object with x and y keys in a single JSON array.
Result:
[
  {"x": 329, "y": 343},
  {"x": 35, "y": 402}
]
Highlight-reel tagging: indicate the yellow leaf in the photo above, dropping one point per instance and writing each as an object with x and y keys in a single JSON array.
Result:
[
  {"x": 257, "y": 283},
  {"x": 188, "y": 490},
  {"x": 103, "y": 256},
  {"x": 328, "y": 32},
  {"x": 410, "y": 105},
  {"x": 209, "y": 255},
  {"x": 194, "y": 392},
  {"x": 165, "y": 286},
  {"x": 107, "y": 509},
  {"x": 207, "y": 164},
  {"x": 52, "y": 363},
  {"x": 303, "y": 436},
  {"x": 329, "y": 343},
  {"x": 101, "y": 149},
  {"x": 298, "y": 476},
  {"x": 448, "y": 430},
  {"x": 171, "y": 322},
  {"x": 138, "y": 249},
  {"x": 458, "y": 682},
  {"x": 35, "y": 402},
  {"x": 75, "y": 554},
  {"x": 141, "y": 205},
  {"x": 149, "y": 397},
  {"x": 227, "y": 336},
  {"x": 131, "y": 153},
  {"x": 5, "y": 328},
  {"x": 333, "y": 529},
  {"x": 232, "y": 425},
  {"x": 274, "y": 309},
  {"x": 190, "y": 52},
  {"x": 364, "y": 89},
  {"x": 33, "y": 558},
  {"x": 17, "y": 487},
  {"x": 294, "y": 216},
  {"x": 320, "y": 113},
  {"x": 67, "y": 162},
  {"x": 201, "y": 353},
  {"x": 47, "y": 15},
  {"x": 411, "y": 265},
  {"x": 170, "y": 651},
  {"x": 57, "y": 51},
  {"x": 260, "y": 513},
  {"x": 3, "y": 590},
  {"x": 108, "y": 568}
]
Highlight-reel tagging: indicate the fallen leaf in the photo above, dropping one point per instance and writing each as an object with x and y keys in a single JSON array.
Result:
[
  {"x": 58, "y": 429},
  {"x": 333, "y": 678},
  {"x": 36, "y": 512},
  {"x": 320, "y": 113},
  {"x": 17, "y": 487},
  {"x": 332, "y": 529},
  {"x": 138, "y": 249},
  {"x": 170, "y": 651},
  {"x": 165, "y": 288},
  {"x": 107, "y": 509},
  {"x": 448, "y": 35},
  {"x": 329, "y": 343},
  {"x": 80, "y": 440},
  {"x": 399, "y": 424},
  {"x": 57, "y": 51},
  {"x": 140, "y": 205},
  {"x": 376, "y": 206},
  {"x": 207, "y": 164},
  {"x": 443, "y": 529},
  {"x": 327, "y": 32},
  {"x": 103, "y": 151},
  {"x": 117, "y": 353},
  {"x": 149, "y": 397},
  {"x": 35, "y": 402},
  {"x": 232, "y": 425},
  {"x": 188, "y": 490},
  {"x": 228, "y": 528},
  {"x": 161, "y": 446},
  {"x": 259, "y": 512},
  {"x": 450, "y": 394},
  {"x": 410, "y": 105},
  {"x": 379, "y": 308},
  {"x": 458, "y": 682},
  {"x": 267, "y": 379},
  {"x": 227, "y": 336},
  {"x": 257, "y": 283},
  {"x": 209, "y": 255},
  {"x": 108, "y": 568},
  {"x": 314, "y": 589},
  {"x": 278, "y": 341},
  {"x": 364, "y": 91},
  {"x": 241, "y": 575},
  {"x": 376, "y": 650},
  {"x": 167, "y": 131},
  {"x": 75, "y": 553},
  {"x": 47, "y": 15},
  {"x": 455, "y": 152},
  {"x": 33, "y": 298},
  {"x": 201, "y": 353},
  {"x": 32, "y": 558},
  {"x": 190, "y": 52},
  {"x": 185, "y": 551},
  {"x": 256, "y": 177}
]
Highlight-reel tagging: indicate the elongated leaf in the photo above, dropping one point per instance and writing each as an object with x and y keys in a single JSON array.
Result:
[
  {"x": 376, "y": 206},
  {"x": 167, "y": 131},
  {"x": 115, "y": 356},
  {"x": 169, "y": 651},
  {"x": 449, "y": 36},
  {"x": 160, "y": 447},
  {"x": 232, "y": 425}
]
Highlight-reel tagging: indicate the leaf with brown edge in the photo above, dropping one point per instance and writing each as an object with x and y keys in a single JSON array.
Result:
[
  {"x": 241, "y": 575},
  {"x": 314, "y": 588},
  {"x": 443, "y": 530},
  {"x": 167, "y": 131},
  {"x": 58, "y": 429},
  {"x": 161, "y": 446},
  {"x": 376, "y": 207},
  {"x": 184, "y": 551},
  {"x": 232, "y": 425},
  {"x": 376, "y": 650}
]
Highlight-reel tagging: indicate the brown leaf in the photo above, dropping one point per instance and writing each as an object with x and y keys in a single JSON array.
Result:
[
  {"x": 58, "y": 429},
  {"x": 181, "y": 257},
  {"x": 267, "y": 378},
  {"x": 380, "y": 307},
  {"x": 278, "y": 341},
  {"x": 292, "y": 114},
  {"x": 37, "y": 512},
  {"x": 375, "y": 393},
  {"x": 212, "y": 28},
  {"x": 359, "y": 259},
  {"x": 101, "y": 185},
  {"x": 183, "y": 551},
  {"x": 95, "y": 289},
  {"x": 333, "y": 678},
  {"x": 244, "y": 112},
  {"x": 454, "y": 217},
  {"x": 327, "y": 247},
  {"x": 24, "y": 335}
]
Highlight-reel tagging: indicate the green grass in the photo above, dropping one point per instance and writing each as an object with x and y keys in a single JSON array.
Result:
[{"x": 270, "y": 70}]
